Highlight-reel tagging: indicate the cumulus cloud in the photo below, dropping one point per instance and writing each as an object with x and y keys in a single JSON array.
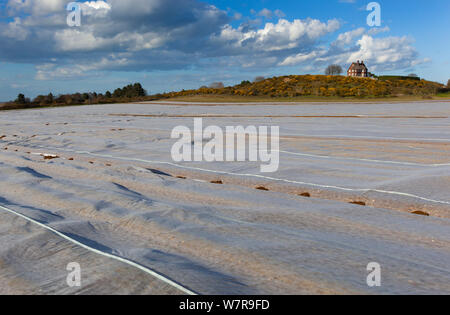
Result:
[
  {"x": 275, "y": 37},
  {"x": 52, "y": 71},
  {"x": 15, "y": 30},
  {"x": 39, "y": 31},
  {"x": 347, "y": 38},
  {"x": 97, "y": 5},
  {"x": 387, "y": 53},
  {"x": 302, "y": 58},
  {"x": 36, "y": 7},
  {"x": 150, "y": 35},
  {"x": 97, "y": 9}
]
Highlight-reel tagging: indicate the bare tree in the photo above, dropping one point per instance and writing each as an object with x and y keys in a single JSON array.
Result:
[
  {"x": 217, "y": 85},
  {"x": 413, "y": 75},
  {"x": 259, "y": 79},
  {"x": 333, "y": 70}
]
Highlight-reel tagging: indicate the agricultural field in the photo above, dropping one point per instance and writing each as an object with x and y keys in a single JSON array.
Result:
[{"x": 97, "y": 185}]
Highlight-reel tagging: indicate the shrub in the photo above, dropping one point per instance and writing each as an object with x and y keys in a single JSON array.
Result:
[{"x": 398, "y": 77}]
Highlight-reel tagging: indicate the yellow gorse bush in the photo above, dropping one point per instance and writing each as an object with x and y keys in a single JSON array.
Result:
[{"x": 321, "y": 85}]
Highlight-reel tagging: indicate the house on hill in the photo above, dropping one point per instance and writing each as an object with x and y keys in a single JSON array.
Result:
[{"x": 358, "y": 69}]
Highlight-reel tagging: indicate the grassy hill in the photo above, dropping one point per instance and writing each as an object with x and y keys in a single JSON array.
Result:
[
  {"x": 297, "y": 86},
  {"x": 285, "y": 88}
]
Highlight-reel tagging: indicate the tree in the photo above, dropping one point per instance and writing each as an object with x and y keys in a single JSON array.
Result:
[
  {"x": 139, "y": 90},
  {"x": 40, "y": 100},
  {"x": 50, "y": 98},
  {"x": 217, "y": 85},
  {"x": 413, "y": 75},
  {"x": 21, "y": 99},
  {"x": 259, "y": 79},
  {"x": 130, "y": 91},
  {"x": 108, "y": 94},
  {"x": 333, "y": 70},
  {"x": 448, "y": 84},
  {"x": 118, "y": 93}
]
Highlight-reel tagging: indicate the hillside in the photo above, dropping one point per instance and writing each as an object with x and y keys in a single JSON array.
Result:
[
  {"x": 285, "y": 88},
  {"x": 322, "y": 86}
]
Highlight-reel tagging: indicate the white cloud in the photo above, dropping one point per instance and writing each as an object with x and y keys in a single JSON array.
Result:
[
  {"x": 280, "y": 14},
  {"x": 98, "y": 9},
  {"x": 347, "y": 38},
  {"x": 97, "y": 5},
  {"x": 301, "y": 58},
  {"x": 75, "y": 40},
  {"x": 52, "y": 71},
  {"x": 380, "y": 54},
  {"x": 275, "y": 37},
  {"x": 36, "y": 7},
  {"x": 136, "y": 35},
  {"x": 386, "y": 53},
  {"x": 265, "y": 13},
  {"x": 16, "y": 30}
]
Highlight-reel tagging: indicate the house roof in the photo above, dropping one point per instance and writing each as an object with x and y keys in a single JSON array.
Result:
[{"x": 358, "y": 66}]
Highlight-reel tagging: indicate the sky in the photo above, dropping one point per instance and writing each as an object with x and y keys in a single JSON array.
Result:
[{"x": 171, "y": 45}]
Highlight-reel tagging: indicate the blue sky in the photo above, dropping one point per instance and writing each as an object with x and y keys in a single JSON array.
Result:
[{"x": 175, "y": 44}]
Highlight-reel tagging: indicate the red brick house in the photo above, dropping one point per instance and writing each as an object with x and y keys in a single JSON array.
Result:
[{"x": 358, "y": 69}]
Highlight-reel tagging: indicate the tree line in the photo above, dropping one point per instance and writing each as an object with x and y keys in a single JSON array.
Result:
[{"x": 131, "y": 92}]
